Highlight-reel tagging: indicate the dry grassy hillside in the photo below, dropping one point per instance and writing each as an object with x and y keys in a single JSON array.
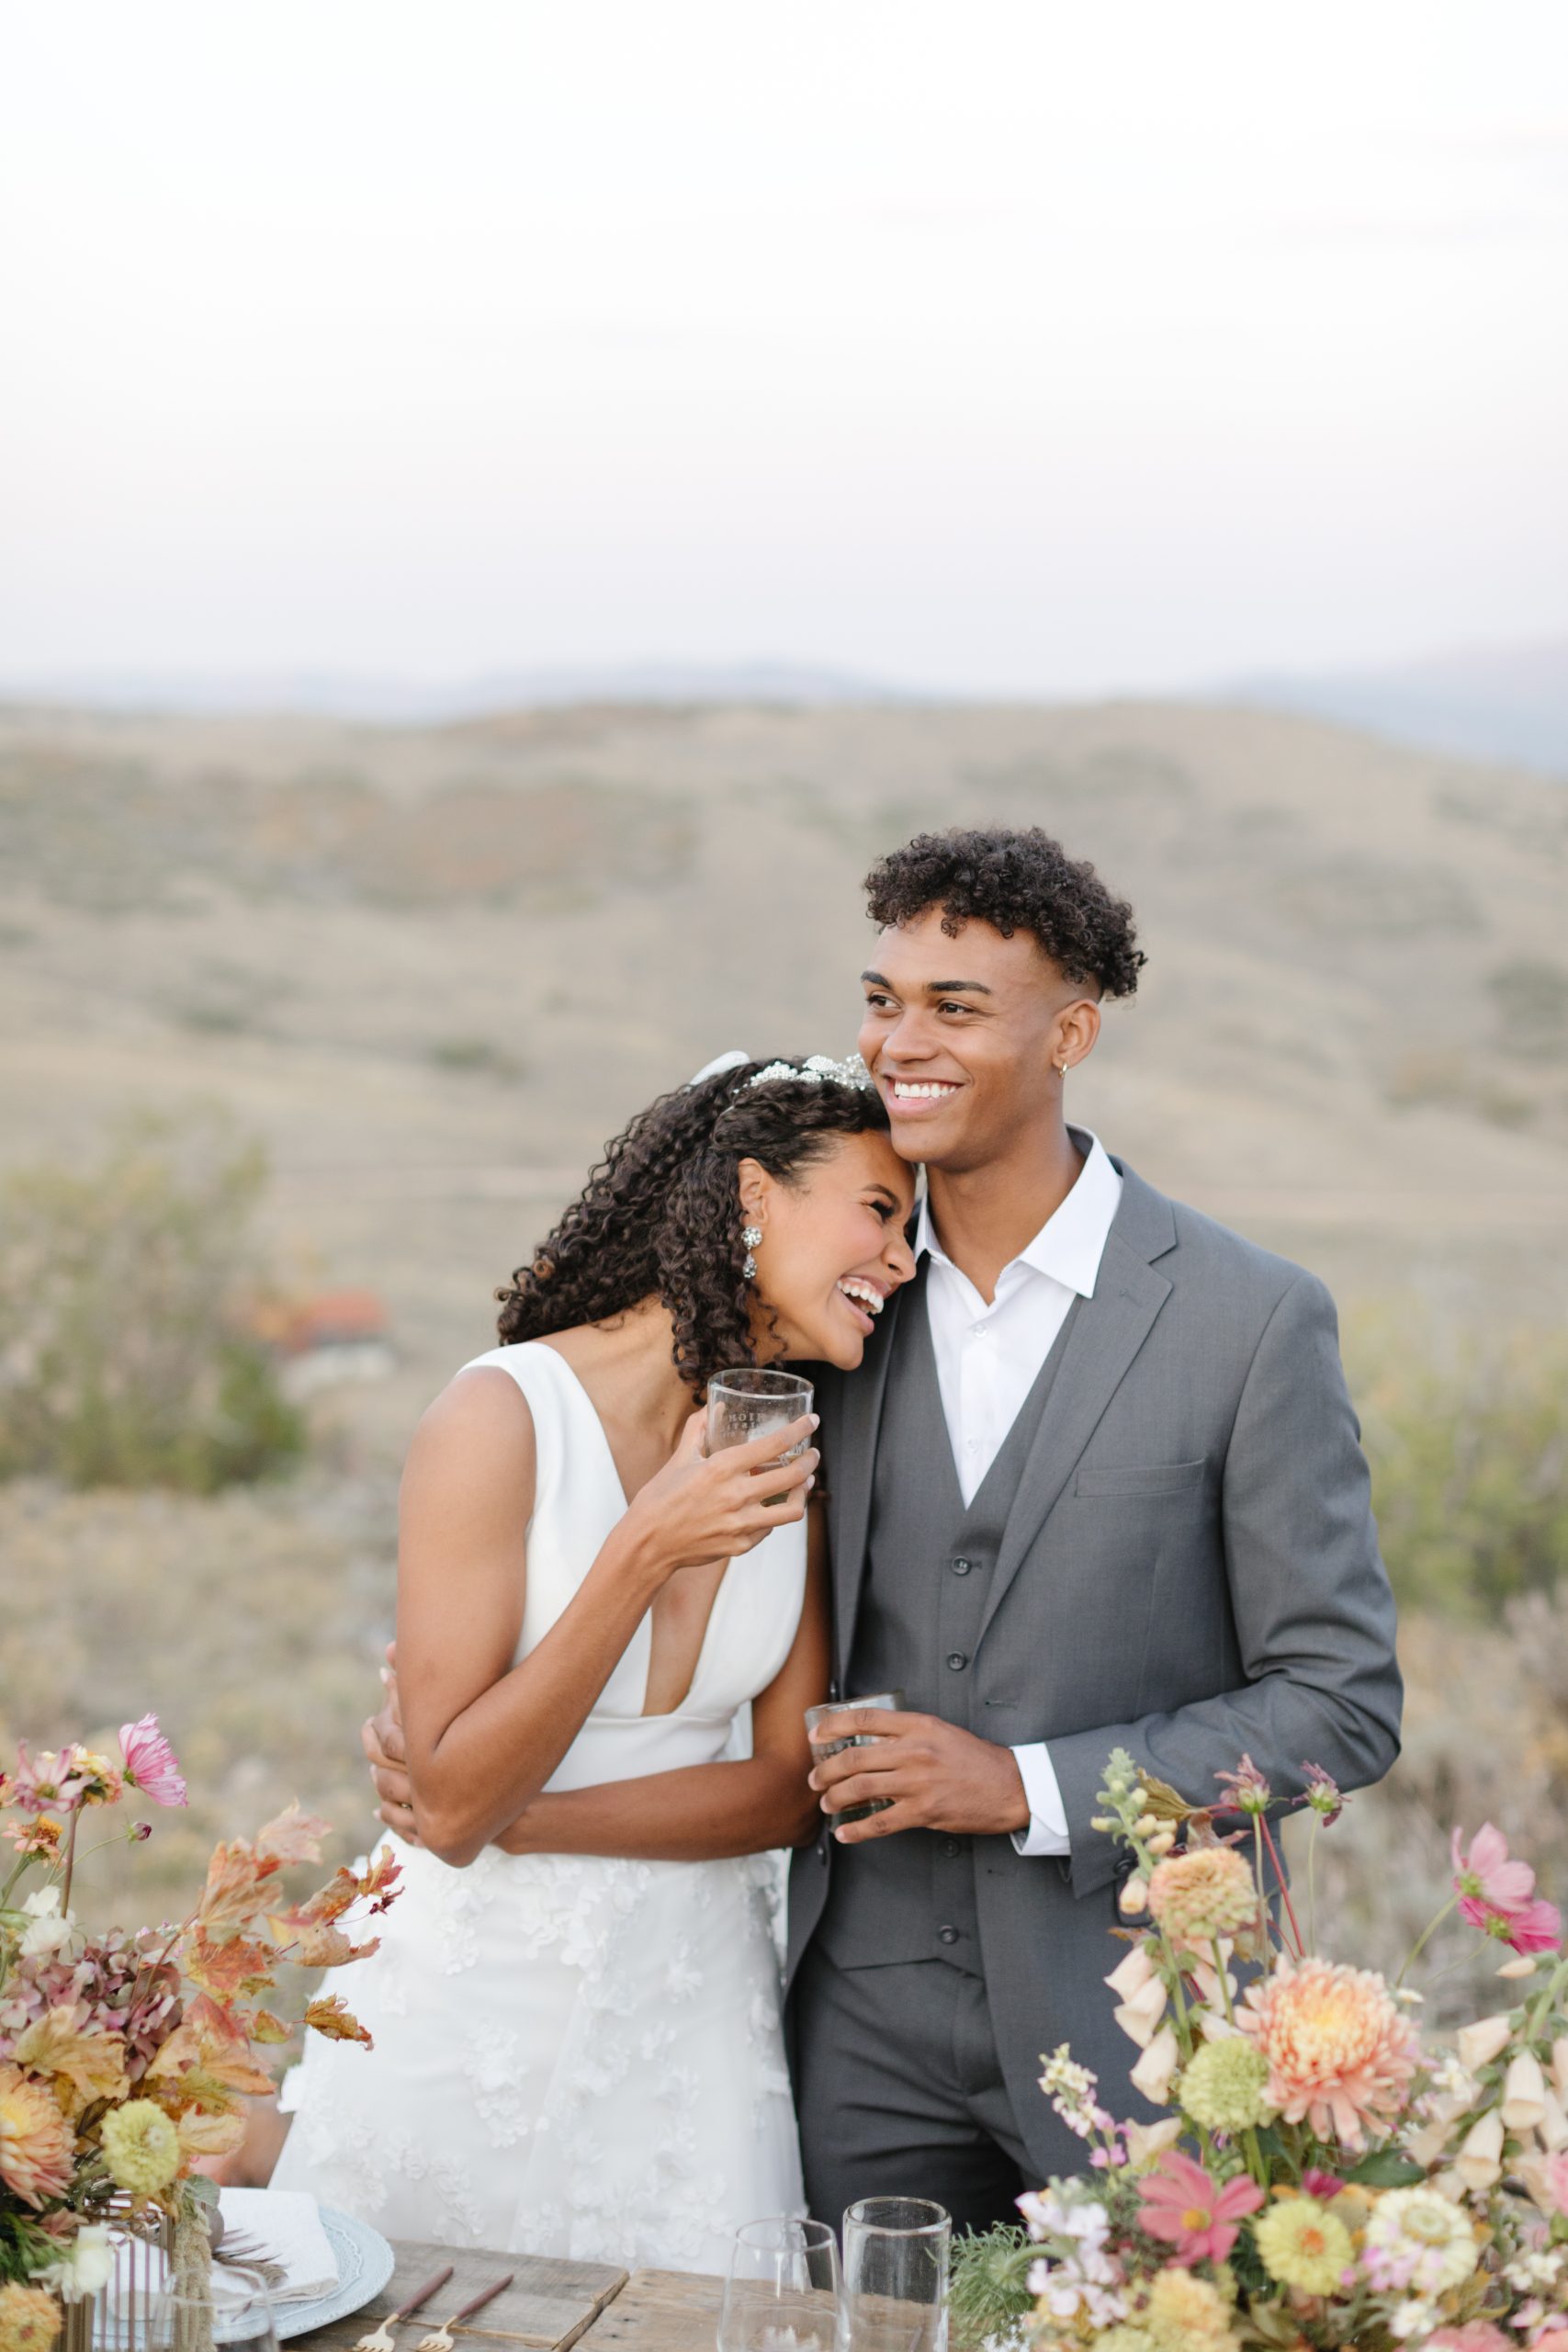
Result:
[{"x": 433, "y": 968}]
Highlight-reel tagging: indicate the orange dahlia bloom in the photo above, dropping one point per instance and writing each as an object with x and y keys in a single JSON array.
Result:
[
  {"x": 1340, "y": 2050},
  {"x": 36, "y": 2144}
]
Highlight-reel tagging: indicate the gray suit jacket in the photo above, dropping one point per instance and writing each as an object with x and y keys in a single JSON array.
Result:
[{"x": 1190, "y": 1570}]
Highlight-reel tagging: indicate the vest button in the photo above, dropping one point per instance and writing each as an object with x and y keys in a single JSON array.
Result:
[
  {"x": 952, "y": 1848},
  {"x": 947, "y": 1935},
  {"x": 962, "y": 1567},
  {"x": 957, "y": 1660}
]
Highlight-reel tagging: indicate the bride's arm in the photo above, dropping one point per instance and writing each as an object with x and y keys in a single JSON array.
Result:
[
  {"x": 709, "y": 1810},
  {"x": 483, "y": 1734}
]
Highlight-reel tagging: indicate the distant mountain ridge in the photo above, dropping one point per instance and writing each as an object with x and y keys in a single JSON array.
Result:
[
  {"x": 1505, "y": 703},
  {"x": 390, "y": 701}
]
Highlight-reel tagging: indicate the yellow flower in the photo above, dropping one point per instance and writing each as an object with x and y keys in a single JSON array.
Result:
[
  {"x": 1224, "y": 2085},
  {"x": 1186, "y": 2314},
  {"x": 36, "y": 2144},
  {"x": 1302, "y": 2243},
  {"x": 142, "y": 2147},
  {"x": 29, "y": 2320}
]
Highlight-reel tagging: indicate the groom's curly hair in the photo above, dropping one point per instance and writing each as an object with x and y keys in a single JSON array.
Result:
[
  {"x": 660, "y": 1216},
  {"x": 1014, "y": 881}
]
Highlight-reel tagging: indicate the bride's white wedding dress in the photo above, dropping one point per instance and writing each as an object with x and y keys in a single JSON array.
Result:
[{"x": 577, "y": 2056}]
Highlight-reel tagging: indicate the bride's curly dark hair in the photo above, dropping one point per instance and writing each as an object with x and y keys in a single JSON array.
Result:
[{"x": 660, "y": 1216}]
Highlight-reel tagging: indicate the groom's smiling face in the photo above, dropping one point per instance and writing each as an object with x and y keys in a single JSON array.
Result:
[{"x": 963, "y": 1034}]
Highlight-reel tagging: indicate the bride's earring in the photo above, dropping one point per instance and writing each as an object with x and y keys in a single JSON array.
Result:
[
  {"x": 750, "y": 1235},
  {"x": 1061, "y": 1070}
]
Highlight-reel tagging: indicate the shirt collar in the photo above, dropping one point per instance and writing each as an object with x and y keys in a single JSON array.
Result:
[{"x": 1071, "y": 1243}]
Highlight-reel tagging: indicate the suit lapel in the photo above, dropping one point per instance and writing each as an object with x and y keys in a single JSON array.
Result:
[
  {"x": 851, "y": 1476},
  {"x": 1110, "y": 1329}
]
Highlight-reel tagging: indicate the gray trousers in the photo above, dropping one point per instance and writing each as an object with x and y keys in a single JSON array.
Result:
[{"x": 900, "y": 2091}]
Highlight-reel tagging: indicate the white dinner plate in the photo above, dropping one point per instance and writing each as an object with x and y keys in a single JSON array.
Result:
[{"x": 364, "y": 2263}]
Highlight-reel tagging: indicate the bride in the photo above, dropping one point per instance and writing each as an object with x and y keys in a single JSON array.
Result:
[{"x": 575, "y": 2005}]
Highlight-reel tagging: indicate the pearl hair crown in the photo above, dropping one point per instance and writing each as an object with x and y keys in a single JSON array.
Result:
[{"x": 816, "y": 1070}]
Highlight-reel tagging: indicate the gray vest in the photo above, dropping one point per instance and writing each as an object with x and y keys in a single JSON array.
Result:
[{"x": 927, "y": 1574}]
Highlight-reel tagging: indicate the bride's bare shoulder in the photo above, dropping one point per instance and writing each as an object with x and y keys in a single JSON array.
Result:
[{"x": 480, "y": 1427}]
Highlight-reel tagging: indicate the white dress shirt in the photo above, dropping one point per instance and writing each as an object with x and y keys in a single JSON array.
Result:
[{"x": 987, "y": 1360}]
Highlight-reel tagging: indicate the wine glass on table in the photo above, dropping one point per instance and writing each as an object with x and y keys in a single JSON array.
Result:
[
  {"x": 748, "y": 1401},
  {"x": 896, "y": 2251},
  {"x": 782, "y": 2294}
]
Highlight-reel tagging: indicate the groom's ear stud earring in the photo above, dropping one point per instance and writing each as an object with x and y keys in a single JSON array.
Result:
[{"x": 750, "y": 1235}]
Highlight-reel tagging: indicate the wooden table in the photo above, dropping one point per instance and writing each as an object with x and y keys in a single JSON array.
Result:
[{"x": 548, "y": 2306}]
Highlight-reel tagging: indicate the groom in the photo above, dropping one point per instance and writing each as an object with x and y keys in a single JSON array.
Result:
[{"x": 1098, "y": 1484}]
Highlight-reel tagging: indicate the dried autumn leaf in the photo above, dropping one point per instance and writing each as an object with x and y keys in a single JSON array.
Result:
[
  {"x": 86, "y": 2063},
  {"x": 266, "y": 2028},
  {"x": 1164, "y": 1802},
  {"x": 201, "y": 2134},
  {"x": 328, "y": 1947},
  {"x": 332, "y": 2018},
  {"x": 293, "y": 1836},
  {"x": 229, "y": 1969},
  {"x": 206, "y": 2061},
  {"x": 237, "y": 1889}
]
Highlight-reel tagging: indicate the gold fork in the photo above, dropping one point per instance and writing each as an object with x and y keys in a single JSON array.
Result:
[
  {"x": 381, "y": 2339},
  {"x": 440, "y": 2338}
]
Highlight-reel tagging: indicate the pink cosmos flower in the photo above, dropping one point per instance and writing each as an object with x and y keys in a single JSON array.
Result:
[
  {"x": 46, "y": 1783},
  {"x": 151, "y": 1764},
  {"x": 1537, "y": 1927},
  {"x": 1182, "y": 2205},
  {"x": 1487, "y": 1879}
]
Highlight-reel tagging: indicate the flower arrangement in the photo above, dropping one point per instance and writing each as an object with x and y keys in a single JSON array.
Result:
[
  {"x": 126, "y": 2058},
  {"x": 1324, "y": 2176}
]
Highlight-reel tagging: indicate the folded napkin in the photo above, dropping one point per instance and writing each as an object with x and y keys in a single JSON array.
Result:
[{"x": 284, "y": 2226}]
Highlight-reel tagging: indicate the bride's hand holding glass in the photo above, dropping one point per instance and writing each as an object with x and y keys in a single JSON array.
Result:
[{"x": 714, "y": 1507}]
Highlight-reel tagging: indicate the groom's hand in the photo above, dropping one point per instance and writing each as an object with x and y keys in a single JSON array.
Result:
[
  {"x": 931, "y": 1775},
  {"x": 387, "y": 1752}
]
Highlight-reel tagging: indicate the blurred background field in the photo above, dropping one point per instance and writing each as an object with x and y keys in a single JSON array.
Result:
[{"x": 295, "y": 1012}]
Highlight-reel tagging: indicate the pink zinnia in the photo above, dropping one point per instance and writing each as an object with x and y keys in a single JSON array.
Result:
[
  {"x": 1340, "y": 2050},
  {"x": 1183, "y": 2205},
  {"x": 151, "y": 1764},
  {"x": 1487, "y": 1879}
]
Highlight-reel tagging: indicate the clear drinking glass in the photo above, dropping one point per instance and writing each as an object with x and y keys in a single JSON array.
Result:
[
  {"x": 236, "y": 2314},
  {"x": 896, "y": 2264},
  {"x": 747, "y": 1402},
  {"x": 782, "y": 2294},
  {"x": 894, "y": 1701}
]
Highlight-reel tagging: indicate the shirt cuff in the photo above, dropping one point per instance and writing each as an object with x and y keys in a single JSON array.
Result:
[{"x": 1047, "y": 1830}]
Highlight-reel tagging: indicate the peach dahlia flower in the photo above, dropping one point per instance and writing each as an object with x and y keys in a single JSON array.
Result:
[
  {"x": 1202, "y": 1895},
  {"x": 1340, "y": 2051},
  {"x": 36, "y": 2144}
]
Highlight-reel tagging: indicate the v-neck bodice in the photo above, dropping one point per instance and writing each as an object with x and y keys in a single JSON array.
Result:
[{"x": 578, "y": 1498}]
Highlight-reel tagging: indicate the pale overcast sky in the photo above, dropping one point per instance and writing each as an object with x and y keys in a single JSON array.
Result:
[{"x": 1025, "y": 345}]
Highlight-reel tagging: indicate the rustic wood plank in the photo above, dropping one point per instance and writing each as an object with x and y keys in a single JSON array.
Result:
[
  {"x": 547, "y": 2306},
  {"x": 659, "y": 2311}
]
